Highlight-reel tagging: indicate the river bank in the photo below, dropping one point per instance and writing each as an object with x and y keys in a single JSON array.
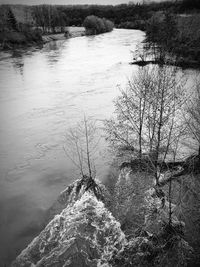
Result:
[
  {"x": 13, "y": 39},
  {"x": 71, "y": 33}
]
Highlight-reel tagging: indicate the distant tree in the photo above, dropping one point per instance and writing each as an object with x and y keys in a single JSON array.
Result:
[
  {"x": 49, "y": 18},
  {"x": 39, "y": 17},
  {"x": 96, "y": 25},
  {"x": 192, "y": 116},
  {"x": 12, "y": 22},
  {"x": 3, "y": 18},
  {"x": 161, "y": 34}
]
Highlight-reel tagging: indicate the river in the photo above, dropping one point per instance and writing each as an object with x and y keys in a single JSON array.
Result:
[{"x": 43, "y": 92}]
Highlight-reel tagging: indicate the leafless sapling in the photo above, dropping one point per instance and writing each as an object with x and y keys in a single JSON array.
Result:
[{"x": 81, "y": 146}]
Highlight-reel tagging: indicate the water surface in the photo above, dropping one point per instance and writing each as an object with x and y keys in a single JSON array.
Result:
[{"x": 43, "y": 92}]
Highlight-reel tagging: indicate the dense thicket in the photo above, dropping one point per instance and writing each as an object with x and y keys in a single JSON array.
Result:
[
  {"x": 96, "y": 25},
  {"x": 7, "y": 19}
]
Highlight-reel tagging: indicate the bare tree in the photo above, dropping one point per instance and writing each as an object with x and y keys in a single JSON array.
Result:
[
  {"x": 192, "y": 117},
  {"x": 148, "y": 114},
  {"x": 164, "y": 115},
  {"x": 81, "y": 146},
  {"x": 48, "y": 18},
  {"x": 126, "y": 130}
]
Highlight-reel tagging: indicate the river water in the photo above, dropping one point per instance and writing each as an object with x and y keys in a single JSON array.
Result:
[{"x": 43, "y": 92}]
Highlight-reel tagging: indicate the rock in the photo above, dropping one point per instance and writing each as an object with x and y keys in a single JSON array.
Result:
[
  {"x": 129, "y": 205},
  {"x": 84, "y": 234},
  {"x": 136, "y": 253},
  {"x": 157, "y": 211},
  {"x": 154, "y": 242},
  {"x": 162, "y": 250},
  {"x": 74, "y": 192}
]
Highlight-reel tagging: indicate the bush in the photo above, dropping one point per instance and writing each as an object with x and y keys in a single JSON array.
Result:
[
  {"x": 96, "y": 25},
  {"x": 137, "y": 25},
  {"x": 12, "y": 38}
]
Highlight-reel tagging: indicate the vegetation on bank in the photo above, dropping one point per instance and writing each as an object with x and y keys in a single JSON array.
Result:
[
  {"x": 154, "y": 123},
  {"x": 95, "y": 25}
]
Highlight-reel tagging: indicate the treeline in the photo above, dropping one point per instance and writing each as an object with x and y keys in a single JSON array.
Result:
[
  {"x": 54, "y": 18},
  {"x": 117, "y": 14},
  {"x": 95, "y": 25},
  {"x": 126, "y": 15},
  {"x": 7, "y": 19},
  {"x": 190, "y": 5}
]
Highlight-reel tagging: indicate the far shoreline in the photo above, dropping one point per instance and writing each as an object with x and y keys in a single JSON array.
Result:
[
  {"x": 13, "y": 41},
  {"x": 74, "y": 32}
]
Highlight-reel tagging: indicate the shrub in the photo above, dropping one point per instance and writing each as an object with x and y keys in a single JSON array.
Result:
[{"x": 96, "y": 25}]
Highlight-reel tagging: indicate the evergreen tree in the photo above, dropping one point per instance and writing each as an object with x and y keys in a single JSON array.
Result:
[{"x": 12, "y": 22}]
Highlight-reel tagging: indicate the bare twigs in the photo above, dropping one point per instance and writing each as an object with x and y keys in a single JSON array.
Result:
[{"x": 81, "y": 146}]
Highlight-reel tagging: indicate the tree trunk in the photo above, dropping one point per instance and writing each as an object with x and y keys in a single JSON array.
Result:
[
  {"x": 199, "y": 157},
  {"x": 170, "y": 202}
]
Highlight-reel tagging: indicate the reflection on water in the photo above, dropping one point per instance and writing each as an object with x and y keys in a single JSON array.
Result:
[
  {"x": 43, "y": 93},
  {"x": 18, "y": 63}
]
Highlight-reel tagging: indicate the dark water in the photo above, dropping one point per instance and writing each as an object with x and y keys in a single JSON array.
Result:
[{"x": 43, "y": 92}]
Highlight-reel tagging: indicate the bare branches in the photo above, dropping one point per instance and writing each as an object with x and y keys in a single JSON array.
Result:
[
  {"x": 192, "y": 117},
  {"x": 148, "y": 114},
  {"x": 81, "y": 145},
  {"x": 87, "y": 144}
]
